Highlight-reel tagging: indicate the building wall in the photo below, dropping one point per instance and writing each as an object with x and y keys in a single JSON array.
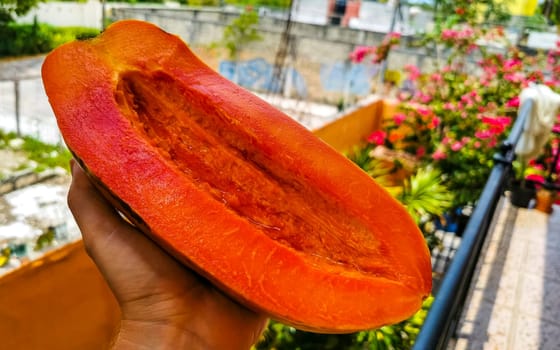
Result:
[{"x": 313, "y": 48}]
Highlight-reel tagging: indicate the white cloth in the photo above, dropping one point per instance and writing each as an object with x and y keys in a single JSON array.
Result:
[{"x": 538, "y": 125}]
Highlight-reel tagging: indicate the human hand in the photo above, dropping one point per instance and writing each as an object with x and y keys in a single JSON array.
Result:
[{"x": 164, "y": 305}]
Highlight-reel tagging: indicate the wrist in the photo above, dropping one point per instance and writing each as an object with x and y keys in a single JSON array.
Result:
[{"x": 139, "y": 335}]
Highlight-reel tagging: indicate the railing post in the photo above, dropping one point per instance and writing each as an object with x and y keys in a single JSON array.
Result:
[
  {"x": 17, "y": 107},
  {"x": 441, "y": 322}
]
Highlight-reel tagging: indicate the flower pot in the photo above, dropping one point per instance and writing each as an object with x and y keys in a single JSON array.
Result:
[
  {"x": 522, "y": 196},
  {"x": 545, "y": 200}
]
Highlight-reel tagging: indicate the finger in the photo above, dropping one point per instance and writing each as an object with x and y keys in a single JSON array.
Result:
[
  {"x": 122, "y": 254},
  {"x": 94, "y": 216},
  {"x": 98, "y": 221}
]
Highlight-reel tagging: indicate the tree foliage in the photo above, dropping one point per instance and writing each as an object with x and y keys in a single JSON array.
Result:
[
  {"x": 471, "y": 11},
  {"x": 551, "y": 10},
  {"x": 11, "y": 8},
  {"x": 257, "y": 3},
  {"x": 240, "y": 32}
]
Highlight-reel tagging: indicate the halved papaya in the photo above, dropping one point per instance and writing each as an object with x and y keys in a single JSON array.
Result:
[{"x": 234, "y": 188}]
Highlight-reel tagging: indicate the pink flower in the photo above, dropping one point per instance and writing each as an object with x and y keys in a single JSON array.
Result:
[
  {"x": 394, "y": 35},
  {"x": 435, "y": 122},
  {"x": 514, "y": 77},
  {"x": 477, "y": 144},
  {"x": 512, "y": 64},
  {"x": 552, "y": 83},
  {"x": 483, "y": 134},
  {"x": 399, "y": 118},
  {"x": 360, "y": 52},
  {"x": 497, "y": 124},
  {"x": 535, "y": 178},
  {"x": 425, "y": 98},
  {"x": 377, "y": 137},
  {"x": 466, "y": 98},
  {"x": 471, "y": 48},
  {"x": 456, "y": 146},
  {"x": 423, "y": 111},
  {"x": 439, "y": 154},
  {"x": 413, "y": 72},
  {"x": 449, "y": 106},
  {"x": 514, "y": 102},
  {"x": 449, "y": 34},
  {"x": 436, "y": 77}
]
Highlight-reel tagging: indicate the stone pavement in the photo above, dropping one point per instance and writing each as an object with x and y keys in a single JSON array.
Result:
[{"x": 514, "y": 302}]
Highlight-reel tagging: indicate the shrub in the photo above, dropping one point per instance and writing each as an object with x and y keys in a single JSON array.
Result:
[
  {"x": 398, "y": 336},
  {"x": 32, "y": 39}
]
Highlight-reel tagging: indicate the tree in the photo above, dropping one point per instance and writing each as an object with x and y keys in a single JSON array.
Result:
[
  {"x": 551, "y": 10},
  {"x": 11, "y": 8},
  {"x": 256, "y": 3},
  {"x": 240, "y": 32},
  {"x": 471, "y": 11}
]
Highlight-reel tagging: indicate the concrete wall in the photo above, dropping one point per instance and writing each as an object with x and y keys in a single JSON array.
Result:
[
  {"x": 86, "y": 14},
  {"x": 311, "y": 46},
  {"x": 314, "y": 47},
  {"x": 201, "y": 27}
]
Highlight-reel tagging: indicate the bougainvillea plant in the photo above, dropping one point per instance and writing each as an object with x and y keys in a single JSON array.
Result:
[
  {"x": 376, "y": 54},
  {"x": 456, "y": 116}
]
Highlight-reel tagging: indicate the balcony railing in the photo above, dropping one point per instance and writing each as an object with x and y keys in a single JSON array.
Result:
[{"x": 441, "y": 322}]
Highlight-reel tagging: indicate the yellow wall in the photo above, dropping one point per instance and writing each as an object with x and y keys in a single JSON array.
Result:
[
  {"x": 354, "y": 127},
  {"x": 522, "y": 7},
  {"x": 58, "y": 302}
]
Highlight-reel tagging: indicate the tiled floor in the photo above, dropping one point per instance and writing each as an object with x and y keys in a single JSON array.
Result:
[{"x": 515, "y": 300}]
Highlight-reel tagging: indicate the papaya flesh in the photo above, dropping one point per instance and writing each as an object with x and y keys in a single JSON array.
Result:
[{"x": 234, "y": 188}]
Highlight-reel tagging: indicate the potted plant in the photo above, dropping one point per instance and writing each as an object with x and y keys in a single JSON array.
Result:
[
  {"x": 522, "y": 189},
  {"x": 548, "y": 165}
]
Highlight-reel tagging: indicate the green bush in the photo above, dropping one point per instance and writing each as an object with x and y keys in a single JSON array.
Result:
[
  {"x": 139, "y": 1},
  {"x": 257, "y": 3},
  {"x": 400, "y": 336},
  {"x": 32, "y": 39},
  {"x": 41, "y": 155}
]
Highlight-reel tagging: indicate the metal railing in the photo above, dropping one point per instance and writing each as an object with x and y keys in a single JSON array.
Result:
[
  {"x": 441, "y": 322},
  {"x": 16, "y": 81}
]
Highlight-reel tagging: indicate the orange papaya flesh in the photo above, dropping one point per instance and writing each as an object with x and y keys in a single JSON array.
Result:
[{"x": 234, "y": 188}]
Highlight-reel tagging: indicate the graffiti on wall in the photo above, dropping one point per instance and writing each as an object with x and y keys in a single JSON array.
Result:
[
  {"x": 343, "y": 77},
  {"x": 258, "y": 75}
]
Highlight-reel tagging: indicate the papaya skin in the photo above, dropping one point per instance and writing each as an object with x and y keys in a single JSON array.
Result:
[{"x": 234, "y": 188}]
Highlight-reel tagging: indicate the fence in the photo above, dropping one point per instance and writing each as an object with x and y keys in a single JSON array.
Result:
[
  {"x": 24, "y": 108},
  {"x": 442, "y": 319}
]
